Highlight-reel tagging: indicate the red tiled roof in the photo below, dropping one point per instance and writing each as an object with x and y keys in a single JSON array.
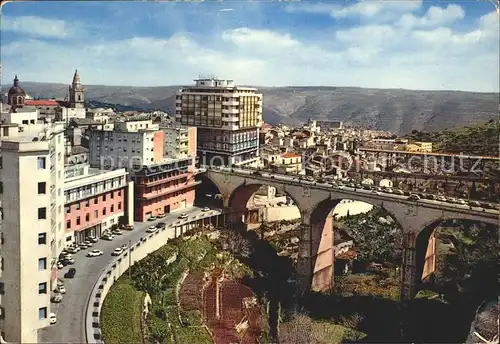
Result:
[
  {"x": 290, "y": 155},
  {"x": 41, "y": 102}
]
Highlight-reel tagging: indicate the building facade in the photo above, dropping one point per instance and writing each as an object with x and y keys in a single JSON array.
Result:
[
  {"x": 160, "y": 162},
  {"x": 95, "y": 201},
  {"x": 227, "y": 117},
  {"x": 32, "y": 225}
]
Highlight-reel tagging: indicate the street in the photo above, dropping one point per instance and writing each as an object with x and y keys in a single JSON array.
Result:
[{"x": 70, "y": 326}]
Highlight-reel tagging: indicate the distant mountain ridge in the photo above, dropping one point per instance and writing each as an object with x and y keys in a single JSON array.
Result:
[{"x": 396, "y": 110}]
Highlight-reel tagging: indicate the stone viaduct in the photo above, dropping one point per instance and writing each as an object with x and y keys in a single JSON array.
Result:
[{"x": 315, "y": 202}]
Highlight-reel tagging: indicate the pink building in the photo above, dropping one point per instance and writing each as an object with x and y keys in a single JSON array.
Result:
[{"x": 95, "y": 201}]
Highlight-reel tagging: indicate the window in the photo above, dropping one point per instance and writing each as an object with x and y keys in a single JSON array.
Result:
[
  {"x": 112, "y": 195},
  {"x": 42, "y": 164},
  {"x": 87, "y": 217},
  {"x": 96, "y": 214},
  {"x": 96, "y": 200},
  {"x": 87, "y": 203},
  {"x": 42, "y": 188},
  {"x": 1, "y": 188},
  {"x": 112, "y": 209},
  {"x": 77, "y": 206},
  {"x": 104, "y": 212},
  {"x": 104, "y": 198},
  {"x": 68, "y": 238},
  {"x": 68, "y": 209},
  {"x": 42, "y": 238},
  {"x": 42, "y": 213},
  {"x": 42, "y": 264},
  {"x": 78, "y": 220},
  {"x": 119, "y": 192},
  {"x": 2, "y": 288},
  {"x": 42, "y": 288},
  {"x": 42, "y": 313},
  {"x": 68, "y": 224}
]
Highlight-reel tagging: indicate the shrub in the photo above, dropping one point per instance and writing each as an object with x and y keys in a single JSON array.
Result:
[{"x": 121, "y": 314}]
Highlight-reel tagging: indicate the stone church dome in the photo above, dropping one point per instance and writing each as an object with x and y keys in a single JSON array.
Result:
[{"x": 16, "y": 90}]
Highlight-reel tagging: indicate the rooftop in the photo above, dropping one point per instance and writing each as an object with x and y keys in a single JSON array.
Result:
[{"x": 290, "y": 155}]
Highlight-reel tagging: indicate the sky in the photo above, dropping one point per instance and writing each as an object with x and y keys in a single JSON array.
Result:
[{"x": 430, "y": 45}]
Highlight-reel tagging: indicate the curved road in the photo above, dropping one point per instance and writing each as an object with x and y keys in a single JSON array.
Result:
[{"x": 70, "y": 326}]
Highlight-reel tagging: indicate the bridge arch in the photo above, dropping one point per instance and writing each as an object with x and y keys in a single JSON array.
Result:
[
  {"x": 239, "y": 197},
  {"x": 427, "y": 230},
  {"x": 322, "y": 239}
]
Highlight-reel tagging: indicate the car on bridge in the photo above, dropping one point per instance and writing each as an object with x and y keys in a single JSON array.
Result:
[
  {"x": 414, "y": 197},
  {"x": 117, "y": 251}
]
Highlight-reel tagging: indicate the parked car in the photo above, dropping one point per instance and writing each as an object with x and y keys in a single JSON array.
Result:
[
  {"x": 116, "y": 232},
  {"x": 128, "y": 227},
  {"x": 56, "y": 298},
  {"x": 93, "y": 239},
  {"x": 151, "y": 229},
  {"x": 161, "y": 225},
  {"x": 161, "y": 216},
  {"x": 69, "y": 261},
  {"x": 117, "y": 251},
  {"x": 108, "y": 237},
  {"x": 52, "y": 318},
  {"x": 205, "y": 209},
  {"x": 60, "y": 265},
  {"x": 183, "y": 216},
  {"x": 70, "y": 274},
  {"x": 152, "y": 218},
  {"x": 83, "y": 245},
  {"x": 73, "y": 250},
  {"x": 95, "y": 253},
  {"x": 61, "y": 289},
  {"x": 124, "y": 247},
  {"x": 399, "y": 192},
  {"x": 441, "y": 198},
  {"x": 461, "y": 201}
]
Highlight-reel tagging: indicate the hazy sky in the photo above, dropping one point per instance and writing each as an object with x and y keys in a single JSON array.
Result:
[{"x": 382, "y": 44}]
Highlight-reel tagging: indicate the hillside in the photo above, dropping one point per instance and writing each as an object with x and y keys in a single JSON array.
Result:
[
  {"x": 480, "y": 139},
  {"x": 396, "y": 110}
]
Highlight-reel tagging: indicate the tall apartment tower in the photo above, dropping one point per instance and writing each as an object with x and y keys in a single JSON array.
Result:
[
  {"x": 228, "y": 119},
  {"x": 32, "y": 223},
  {"x": 76, "y": 93}
]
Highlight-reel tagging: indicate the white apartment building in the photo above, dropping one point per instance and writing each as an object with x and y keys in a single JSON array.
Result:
[
  {"x": 32, "y": 225},
  {"x": 177, "y": 140},
  {"x": 126, "y": 144},
  {"x": 228, "y": 119}
]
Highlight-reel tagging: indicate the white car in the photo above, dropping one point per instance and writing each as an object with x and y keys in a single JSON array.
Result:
[
  {"x": 116, "y": 232},
  {"x": 60, "y": 265},
  {"x": 61, "y": 289},
  {"x": 117, "y": 251},
  {"x": 205, "y": 209},
  {"x": 95, "y": 253},
  {"x": 52, "y": 318},
  {"x": 151, "y": 229},
  {"x": 183, "y": 216}
]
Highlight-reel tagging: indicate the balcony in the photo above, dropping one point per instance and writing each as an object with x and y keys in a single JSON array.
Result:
[
  {"x": 163, "y": 180},
  {"x": 74, "y": 197},
  {"x": 167, "y": 191}
]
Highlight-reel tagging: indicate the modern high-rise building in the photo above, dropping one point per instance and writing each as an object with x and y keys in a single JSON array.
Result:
[
  {"x": 228, "y": 119},
  {"x": 160, "y": 162},
  {"x": 32, "y": 219}
]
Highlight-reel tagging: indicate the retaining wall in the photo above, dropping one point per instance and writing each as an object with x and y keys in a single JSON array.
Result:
[{"x": 148, "y": 243}]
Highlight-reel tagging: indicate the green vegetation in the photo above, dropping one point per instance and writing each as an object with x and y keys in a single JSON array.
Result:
[
  {"x": 121, "y": 313},
  {"x": 301, "y": 328},
  {"x": 376, "y": 240},
  {"x": 380, "y": 284},
  {"x": 481, "y": 139}
]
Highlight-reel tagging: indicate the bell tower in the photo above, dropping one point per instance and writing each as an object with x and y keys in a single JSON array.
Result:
[{"x": 76, "y": 93}]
